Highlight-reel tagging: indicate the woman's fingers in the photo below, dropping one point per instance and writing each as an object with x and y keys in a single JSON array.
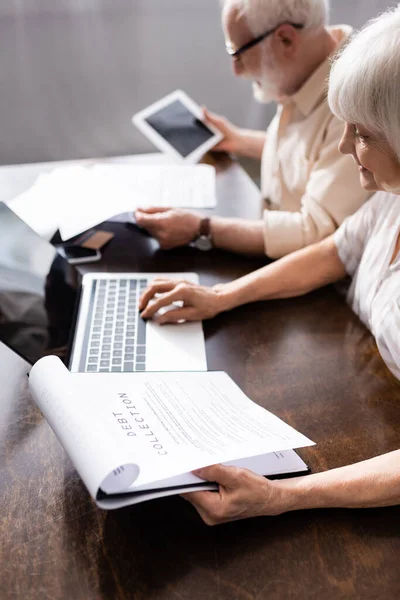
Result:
[
  {"x": 159, "y": 286},
  {"x": 167, "y": 298}
]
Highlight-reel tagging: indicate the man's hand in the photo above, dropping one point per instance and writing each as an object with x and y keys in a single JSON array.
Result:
[
  {"x": 241, "y": 495},
  {"x": 232, "y": 141},
  {"x": 194, "y": 302},
  {"x": 169, "y": 226}
]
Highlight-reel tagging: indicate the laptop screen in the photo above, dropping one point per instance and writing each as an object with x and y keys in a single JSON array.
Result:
[{"x": 38, "y": 292}]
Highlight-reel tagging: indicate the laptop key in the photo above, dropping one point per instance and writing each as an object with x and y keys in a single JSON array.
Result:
[
  {"x": 128, "y": 366},
  {"x": 141, "y": 334},
  {"x": 91, "y": 368}
]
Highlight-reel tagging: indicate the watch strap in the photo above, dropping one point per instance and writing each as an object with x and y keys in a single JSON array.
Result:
[{"x": 205, "y": 227}]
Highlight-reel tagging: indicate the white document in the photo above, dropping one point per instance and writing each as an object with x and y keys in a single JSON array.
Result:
[
  {"x": 38, "y": 207},
  {"x": 133, "y": 436},
  {"x": 75, "y": 198},
  {"x": 176, "y": 186}
]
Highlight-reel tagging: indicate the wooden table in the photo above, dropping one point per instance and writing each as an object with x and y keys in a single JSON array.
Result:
[{"x": 308, "y": 360}]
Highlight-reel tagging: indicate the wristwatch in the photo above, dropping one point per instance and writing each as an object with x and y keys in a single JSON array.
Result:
[{"x": 204, "y": 241}]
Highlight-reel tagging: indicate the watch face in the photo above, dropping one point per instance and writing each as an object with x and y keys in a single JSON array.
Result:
[{"x": 203, "y": 242}]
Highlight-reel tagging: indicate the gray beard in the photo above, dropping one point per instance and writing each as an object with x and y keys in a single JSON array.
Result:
[{"x": 265, "y": 94}]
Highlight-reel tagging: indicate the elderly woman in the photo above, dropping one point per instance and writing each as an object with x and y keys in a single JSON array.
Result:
[{"x": 364, "y": 93}]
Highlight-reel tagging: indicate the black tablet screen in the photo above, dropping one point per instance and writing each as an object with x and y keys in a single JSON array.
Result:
[{"x": 180, "y": 127}]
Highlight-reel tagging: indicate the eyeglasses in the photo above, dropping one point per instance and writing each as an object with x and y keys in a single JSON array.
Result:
[{"x": 236, "y": 53}]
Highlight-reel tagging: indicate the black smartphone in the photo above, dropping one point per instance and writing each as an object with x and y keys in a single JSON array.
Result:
[{"x": 78, "y": 254}]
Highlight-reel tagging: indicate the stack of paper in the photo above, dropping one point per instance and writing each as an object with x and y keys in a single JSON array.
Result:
[{"x": 74, "y": 199}]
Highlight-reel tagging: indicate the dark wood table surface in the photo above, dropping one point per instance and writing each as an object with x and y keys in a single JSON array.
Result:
[{"x": 308, "y": 360}]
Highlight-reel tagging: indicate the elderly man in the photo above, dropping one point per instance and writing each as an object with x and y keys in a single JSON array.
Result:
[{"x": 284, "y": 48}]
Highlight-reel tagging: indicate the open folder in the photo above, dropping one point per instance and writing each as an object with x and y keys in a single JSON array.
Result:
[{"x": 137, "y": 436}]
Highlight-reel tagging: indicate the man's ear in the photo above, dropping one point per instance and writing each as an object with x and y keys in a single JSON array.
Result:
[{"x": 287, "y": 38}]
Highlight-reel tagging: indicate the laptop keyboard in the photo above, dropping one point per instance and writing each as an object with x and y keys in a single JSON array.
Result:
[{"x": 117, "y": 334}]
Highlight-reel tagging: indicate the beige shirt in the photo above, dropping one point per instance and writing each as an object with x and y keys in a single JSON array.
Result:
[
  {"x": 366, "y": 244},
  {"x": 308, "y": 186}
]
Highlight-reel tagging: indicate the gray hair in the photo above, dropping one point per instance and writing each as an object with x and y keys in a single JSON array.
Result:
[
  {"x": 262, "y": 15},
  {"x": 364, "y": 81}
]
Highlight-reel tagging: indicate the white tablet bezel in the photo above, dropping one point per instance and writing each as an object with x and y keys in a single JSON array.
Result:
[{"x": 139, "y": 120}]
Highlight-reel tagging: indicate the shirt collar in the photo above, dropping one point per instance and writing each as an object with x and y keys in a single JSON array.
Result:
[{"x": 309, "y": 95}]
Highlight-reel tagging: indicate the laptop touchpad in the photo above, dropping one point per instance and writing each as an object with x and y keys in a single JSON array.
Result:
[{"x": 175, "y": 347}]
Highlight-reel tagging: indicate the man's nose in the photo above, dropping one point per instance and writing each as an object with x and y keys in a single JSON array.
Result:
[{"x": 237, "y": 67}]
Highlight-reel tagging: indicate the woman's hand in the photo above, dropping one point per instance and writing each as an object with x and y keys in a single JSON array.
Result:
[
  {"x": 232, "y": 141},
  {"x": 242, "y": 494},
  {"x": 194, "y": 302}
]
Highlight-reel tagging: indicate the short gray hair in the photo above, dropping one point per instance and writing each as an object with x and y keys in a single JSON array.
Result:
[
  {"x": 364, "y": 85},
  {"x": 262, "y": 15}
]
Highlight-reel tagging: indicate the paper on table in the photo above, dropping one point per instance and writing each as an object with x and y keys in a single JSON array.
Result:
[
  {"x": 154, "y": 425},
  {"x": 179, "y": 186},
  {"x": 108, "y": 190},
  {"x": 38, "y": 207},
  {"x": 73, "y": 199}
]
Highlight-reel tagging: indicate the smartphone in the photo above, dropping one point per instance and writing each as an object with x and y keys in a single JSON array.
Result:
[{"x": 78, "y": 254}]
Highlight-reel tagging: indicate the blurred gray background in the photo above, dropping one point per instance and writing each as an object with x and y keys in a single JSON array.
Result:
[{"x": 72, "y": 72}]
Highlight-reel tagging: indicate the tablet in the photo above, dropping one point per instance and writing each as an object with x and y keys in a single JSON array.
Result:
[{"x": 175, "y": 125}]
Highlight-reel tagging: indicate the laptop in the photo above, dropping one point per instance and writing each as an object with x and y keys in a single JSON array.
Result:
[{"x": 47, "y": 306}]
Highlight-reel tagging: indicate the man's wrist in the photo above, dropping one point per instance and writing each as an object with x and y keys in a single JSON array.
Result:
[
  {"x": 203, "y": 240},
  {"x": 250, "y": 143},
  {"x": 239, "y": 146}
]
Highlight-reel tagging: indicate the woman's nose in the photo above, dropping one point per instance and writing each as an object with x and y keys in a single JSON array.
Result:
[{"x": 346, "y": 144}]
